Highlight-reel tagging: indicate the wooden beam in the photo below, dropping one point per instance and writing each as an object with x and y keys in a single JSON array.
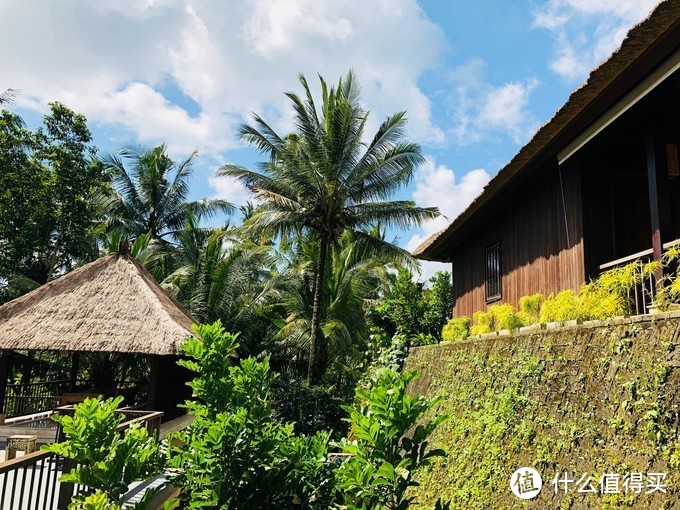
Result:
[
  {"x": 154, "y": 363},
  {"x": 75, "y": 367},
  {"x": 654, "y": 201}
]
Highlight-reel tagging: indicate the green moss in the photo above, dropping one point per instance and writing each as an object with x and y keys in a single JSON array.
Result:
[{"x": 590, "y": 400}]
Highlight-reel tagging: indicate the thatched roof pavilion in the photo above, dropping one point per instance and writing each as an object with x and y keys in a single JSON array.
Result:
[{"x": 110, "y": 305}]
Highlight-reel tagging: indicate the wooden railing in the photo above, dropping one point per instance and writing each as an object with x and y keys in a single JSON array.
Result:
[
  {"x": 30, "y": 398},
  {"x": 23, "y": 399},
  {"x": 31, "y": 482},
  {"x": 642, "y": 296}
]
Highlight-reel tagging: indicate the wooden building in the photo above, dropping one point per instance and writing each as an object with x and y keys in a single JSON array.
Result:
[
  {"x": 112, "y": 305},
  {"x": 596, "y": 186}
]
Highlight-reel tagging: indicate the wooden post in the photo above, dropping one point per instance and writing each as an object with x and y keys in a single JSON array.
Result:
[
  {"x": 154, "y": 362},
  {"x": 75, "y": 367},
  {"x": 4, "y": 375},
  {"x": 654, "y": 202},
  {"x": 66, "y": 489}
]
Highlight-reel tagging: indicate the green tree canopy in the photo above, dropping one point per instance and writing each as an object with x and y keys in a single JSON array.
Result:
[{"x": 50, "y": 184}]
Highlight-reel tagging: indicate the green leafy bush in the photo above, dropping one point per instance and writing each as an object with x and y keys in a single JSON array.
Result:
[
  {"x": 390, "y": 445},
  {"x": 424, "y": 339},
  {"x": 235, "y": 454},
  {"x": 438, "y": 304},
  {"x": 410, "y": 310},
  {"x": 311, "y": 409},
  {"x": 96, "y": 501},
  {"x": 107, "y": 463},
  {"x": 456, "y": 329}
]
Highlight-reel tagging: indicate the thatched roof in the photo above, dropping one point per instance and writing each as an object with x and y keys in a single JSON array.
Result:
[
  {"x": 110, "y": 305},
  {"x": 643, "y": 48}
]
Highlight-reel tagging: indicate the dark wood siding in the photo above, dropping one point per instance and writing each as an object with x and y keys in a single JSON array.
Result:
[{"x": 536, "y": 255}]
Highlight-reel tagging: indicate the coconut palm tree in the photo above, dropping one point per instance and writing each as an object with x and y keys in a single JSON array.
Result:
[
  {"x": 325, "y": 180},
  {"x": 218, "y": 275},
  {"x": 353, "y": 277},
  {"x": 7, "y": 97},
  {"x": 151, "y": 194}
]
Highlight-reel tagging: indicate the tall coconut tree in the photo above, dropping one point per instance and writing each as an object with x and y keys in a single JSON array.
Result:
[
  {"x": 353, "y": 277},
  {"x": 151, "y": 193},
  {"x": 324, "y": 179}
]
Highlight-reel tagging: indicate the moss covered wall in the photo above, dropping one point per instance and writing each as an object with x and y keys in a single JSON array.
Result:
[{"x": 601, "y": 397}]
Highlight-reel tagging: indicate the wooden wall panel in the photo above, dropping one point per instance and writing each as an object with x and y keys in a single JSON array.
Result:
[{"x": 536, "y": 256}]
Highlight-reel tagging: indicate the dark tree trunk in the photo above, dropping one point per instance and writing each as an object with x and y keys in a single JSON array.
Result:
[{"x": 316, "y": 336}]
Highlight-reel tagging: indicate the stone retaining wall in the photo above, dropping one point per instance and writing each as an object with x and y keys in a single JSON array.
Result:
[{"x": 599, "y": 398}]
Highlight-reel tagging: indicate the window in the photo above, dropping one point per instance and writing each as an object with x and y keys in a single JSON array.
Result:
[{"x": 493, "y": 272}]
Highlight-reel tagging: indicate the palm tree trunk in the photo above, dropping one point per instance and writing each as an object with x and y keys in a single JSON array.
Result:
[{"x": 316, "y": 337}]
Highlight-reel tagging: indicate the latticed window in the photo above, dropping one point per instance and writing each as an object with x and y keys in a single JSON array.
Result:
[{"x": 493, "y": 272}]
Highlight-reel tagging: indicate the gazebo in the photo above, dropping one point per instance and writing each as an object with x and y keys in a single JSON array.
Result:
[{"x": 111, "y": 305}]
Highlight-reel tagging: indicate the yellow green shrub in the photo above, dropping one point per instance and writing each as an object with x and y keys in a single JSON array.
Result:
[
  {"x": 621, "y": 280},
  {"x": 530, "y": 308},
  {"x": 483, "y": 323},
  {"x": 497, "y": 317},
  {"x": 456, "y": 329},
  {"x": 596, "y": 302},
  {"x": 563, "y": 306}
]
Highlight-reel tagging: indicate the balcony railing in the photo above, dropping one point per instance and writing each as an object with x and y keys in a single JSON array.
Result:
[
  {"x": 24, "y": 399},
  {"x": 642, "y": 296},
  {"x": 31, "y": 481}
]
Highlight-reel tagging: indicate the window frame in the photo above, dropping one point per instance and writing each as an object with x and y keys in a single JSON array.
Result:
[{"x": 493, "y": 283}]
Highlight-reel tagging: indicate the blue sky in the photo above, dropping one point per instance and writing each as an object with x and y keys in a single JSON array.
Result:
[{"x": 476, "y": 78}]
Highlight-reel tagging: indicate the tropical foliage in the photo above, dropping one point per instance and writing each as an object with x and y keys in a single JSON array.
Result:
[
  {"x": 235, "y": 454},
  {"x": 390, "y": 444},
  {"x": 150, "y": 193},
  {"x": 410, "y": 309},
  {"x": 106, "y": 462},
  {"x": 320, "y": 299},
  {"x": 322, "y": 180},
  {"x": 49, "y": 184}
]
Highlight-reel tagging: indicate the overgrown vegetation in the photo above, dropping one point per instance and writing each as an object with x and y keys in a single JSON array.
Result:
[
  {"x": 236, "y": 454},
  {"x": 550, "y": 401},
  {"x": 610, "y": 295},
  {"x": 294, "y": 285}
]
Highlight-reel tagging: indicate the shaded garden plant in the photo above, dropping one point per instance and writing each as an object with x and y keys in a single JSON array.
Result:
[
  {"x": 235, "y": 454},
  {"x": 389, "y": 445}
]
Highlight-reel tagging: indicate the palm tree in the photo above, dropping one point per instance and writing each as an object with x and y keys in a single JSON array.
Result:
[
  {"x": 218, "y": 275},
  {"x": 148, "y": 198},
  {"x": 325, "y": 180},
  {"x": 353, "y": 277},
  {"x": 7, "y": 97}
]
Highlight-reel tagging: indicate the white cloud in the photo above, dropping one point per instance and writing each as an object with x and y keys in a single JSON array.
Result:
[
  {"x": 587, "y": 31},
  {"x": 481, "y": 109},
  {"x": 113, "y": 61},
  {"x": 437, "y": 185},
  {"x": 230, "y": 190}
]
